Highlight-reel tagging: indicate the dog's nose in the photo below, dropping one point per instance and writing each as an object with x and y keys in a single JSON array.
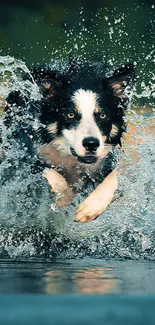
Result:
[{"x": 90, "y": 143}]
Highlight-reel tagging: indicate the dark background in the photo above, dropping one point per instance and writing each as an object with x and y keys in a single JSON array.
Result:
[
  {"x": 32, "y": 30},
  {"x": 37, "y": 30}
]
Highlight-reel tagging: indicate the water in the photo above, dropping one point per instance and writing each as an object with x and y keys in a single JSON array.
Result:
[
  {"x": 30, "y": 226},
  {"x": 88, "y": 276},
  {"x": 42, "y": 249}
]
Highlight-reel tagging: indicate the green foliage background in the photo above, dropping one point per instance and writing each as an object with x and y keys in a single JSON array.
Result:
[
  {"x": 32, "y": 30},
  {"x": 36, "y": 31}
]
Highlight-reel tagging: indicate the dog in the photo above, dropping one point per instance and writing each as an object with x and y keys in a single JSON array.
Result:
[{"x": 72, "y": 131}]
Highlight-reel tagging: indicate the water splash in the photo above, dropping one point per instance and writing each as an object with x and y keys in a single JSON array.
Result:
[
  {"x": 12, "y": 74},
  {"x": 30, "y": 224}
]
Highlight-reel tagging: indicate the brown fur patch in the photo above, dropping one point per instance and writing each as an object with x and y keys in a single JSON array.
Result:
[
  {"x": 74, "y": 172},
  {"x": 97, "y": 109},
  {"x": 46, "y": 85},
  {"x": 52, "y": 128},
  {"x": 114, "y": 131},
  {"x": 118, "y": 89}
]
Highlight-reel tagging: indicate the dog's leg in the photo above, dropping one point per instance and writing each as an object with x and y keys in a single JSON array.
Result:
[
  {"x": 59, "y": 186},
  {"x": 98, "y": 200}
]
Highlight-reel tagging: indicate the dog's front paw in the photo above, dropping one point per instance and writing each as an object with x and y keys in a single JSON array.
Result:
[
  {"x": 93, "y": 206},
  {"x": 89, "y": 210},
  {"x": 98, "y": 200}
]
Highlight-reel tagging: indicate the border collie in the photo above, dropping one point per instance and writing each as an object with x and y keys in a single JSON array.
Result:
[{"x": 73, "y": 129}]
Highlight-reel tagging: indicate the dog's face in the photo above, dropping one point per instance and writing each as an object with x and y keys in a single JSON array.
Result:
[
  {"x": 84, "y": 111},
  {"x": 86, "y": 126}
]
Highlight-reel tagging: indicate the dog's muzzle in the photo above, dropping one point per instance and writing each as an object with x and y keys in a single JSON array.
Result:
[
  {"x": 91, "y": 144},
  {"x": 88, "y": 159}
]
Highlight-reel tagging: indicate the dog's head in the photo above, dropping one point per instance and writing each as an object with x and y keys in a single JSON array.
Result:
[{"x": 83, "y": 109}]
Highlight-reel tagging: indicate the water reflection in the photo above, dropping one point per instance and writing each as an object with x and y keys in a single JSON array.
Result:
[
  {"x": 55, "y": 279},
  {"x": 87, "y": 281},
  {"x": 77, "y": 277}
]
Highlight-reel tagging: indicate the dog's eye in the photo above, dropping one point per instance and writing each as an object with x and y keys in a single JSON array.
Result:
[
  {"x": 103, "y": 115},
  {"x": 71, "y": 115}
]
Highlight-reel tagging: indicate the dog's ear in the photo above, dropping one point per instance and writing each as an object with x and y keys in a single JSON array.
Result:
[
  {"x": 120, "y": 79},
  {"x": 47, "y": 80}
]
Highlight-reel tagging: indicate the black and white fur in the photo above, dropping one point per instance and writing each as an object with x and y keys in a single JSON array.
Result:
[{"x": 80, "y": 116}]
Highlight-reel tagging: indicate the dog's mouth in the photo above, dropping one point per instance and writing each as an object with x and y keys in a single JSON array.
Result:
[{"x": 89, "y": 159}]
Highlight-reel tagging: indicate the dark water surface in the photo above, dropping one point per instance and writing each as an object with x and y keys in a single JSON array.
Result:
[{"x": 87, "y": 276}]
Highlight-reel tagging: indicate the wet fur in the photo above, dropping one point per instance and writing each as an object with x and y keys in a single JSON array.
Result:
[{"x": 79, "y": 102}]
